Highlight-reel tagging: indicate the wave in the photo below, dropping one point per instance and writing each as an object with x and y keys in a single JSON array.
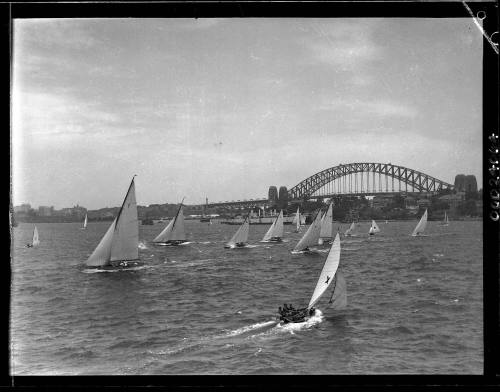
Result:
[
  {"x": 142, "y": 245},
  {"x": 252, "y": 327}
]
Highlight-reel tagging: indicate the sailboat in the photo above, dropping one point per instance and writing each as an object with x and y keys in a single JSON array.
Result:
[
  {"x": 240, "y": 238},
  {"x": 373, "y": 228},
  {"x": 35, "y": 241},
  {"x": 310, "y": 237},
  {"x": 326, "y": 233},
  {"x": 421, "y": 225},
  {"x": 296, "y": 221},
  {"x": 119, "y": 246},
  {"x": 174, "y": 233},
  {"x": 85, "y": 222},
  {"x": 349, "y": 231},
  {"x": 275, "y": 232},
  {"x": 446, "y": 222},
  {"x": 330, "y": 274}
]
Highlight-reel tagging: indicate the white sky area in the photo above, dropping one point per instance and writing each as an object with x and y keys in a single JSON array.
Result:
[{"x": 224, "y": 108}]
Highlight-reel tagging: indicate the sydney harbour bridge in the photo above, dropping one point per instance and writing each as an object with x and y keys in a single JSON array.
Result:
[{"x": 353, "y": 179}]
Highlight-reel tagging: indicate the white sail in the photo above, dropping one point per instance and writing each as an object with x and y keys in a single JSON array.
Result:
[
  {"x": 36, "y": 240},
  {"x": 350, "y": 229},
  {"x": 446, "y": 221},
  {"x": 241, "y": 235},
  {"x": 421, "y": 225},
  {"x": 102, "y": 253},
  {"x": 125, "y": 243},
  {"x": 296, "y": 220},
  {"x": 276, "y": 229},
  {"x": 311, "y": 236},
  {"x": 327, "y": 223},
  {"x": 85, "y": 222},
  {"x": 338, "y": 300},
  {"x": 175, "y": 229},
  {"x": 122, "y": 238},
  {"x": 327, "y": 273},
  {"x": 374, "y": 227}
]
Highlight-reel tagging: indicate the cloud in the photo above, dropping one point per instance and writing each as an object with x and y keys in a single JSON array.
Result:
[
  {"x": 379, "y": 108},
  {"x": 346, "y": 44}
]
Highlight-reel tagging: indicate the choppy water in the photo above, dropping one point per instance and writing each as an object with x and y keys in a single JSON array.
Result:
[{"x": 414, "y": 304}]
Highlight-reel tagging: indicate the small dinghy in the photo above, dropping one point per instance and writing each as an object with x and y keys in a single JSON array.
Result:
[
  {"x": 421, "y": 225},
  {"x": 310, "y": 237},
  {"x": 174, "y": 234},
  {"x": 373, "y": 228},
  {"x": 275, "y": 232},
  {"x": 240, "y": 238},
  {"x": 326, "y": 233},
  {"x": 35, "y": 240},
  {"x": 330, "y": 274}
]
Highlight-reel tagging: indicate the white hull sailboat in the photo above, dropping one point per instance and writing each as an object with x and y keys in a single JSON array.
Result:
[
  {"x": 311, "y": 236},
  {"x": 84, "y": 223},
  {"x": 350, "y": 230},
  {"x": 373, "y": 228},
  {"x": 119, "y": 246},
  {"x": 326, "y": 232},
  {"x": 35, "y": 240},
  {"x": 174, "y": 233},
  {"x": 330, "y": 274},
  {"x": 240, "y": 238},
  {"x": 275, "y": 232},
  {"x": 446, "y": 222},
  {"x": 418, "y": 231}
]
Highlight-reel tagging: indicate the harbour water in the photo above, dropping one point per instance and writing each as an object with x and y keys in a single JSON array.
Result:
[{"x": 415, "y": 304}]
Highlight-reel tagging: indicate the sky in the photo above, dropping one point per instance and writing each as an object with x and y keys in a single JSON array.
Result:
[{"x": 225, "y": 108}]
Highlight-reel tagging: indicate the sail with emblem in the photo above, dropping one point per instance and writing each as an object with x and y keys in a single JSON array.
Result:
[
  {"x": 175, "y": 231},
  {"x": 276, "y": 229},
  {"x": 35, "y": 241},
  {"x": 327, "y": 275},
  {"x": 421, "y": 225},
  {"x": 241, "y": 236},
  {"x": 120, "y": 243},
  {"x": 311, "y": 236},
  {"x": 373, "y": 228}
]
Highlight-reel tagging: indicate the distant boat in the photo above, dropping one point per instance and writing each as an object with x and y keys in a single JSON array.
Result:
[
  {"x": 311, "y": 236},
  {"x": 240, "y": 238},
  {"x": 349, "y": 231},
  {"x": 119, "y": 246},
  {"x": 85, "y": 222},
  {"x": 275, "y": 232},
  {"x": 326, "y": 232},
  {"x": 35, "y": 241},
  {"x": 373, "y": 228},
  {"x": 174, "y": 233},
  {"x": 446, "y": 222},
  {"x": 421, "y": 225},
  {"x": 329, "y": 274},
  {"x": 296, "y": 221}
]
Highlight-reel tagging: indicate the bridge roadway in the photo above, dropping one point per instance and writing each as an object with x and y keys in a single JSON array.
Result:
[{"x": 258, "y": 203}]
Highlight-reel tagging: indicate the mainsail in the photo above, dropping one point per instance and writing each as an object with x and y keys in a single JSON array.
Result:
[
  {"x": 36, "y": 240},
  {"x": 374, "y": 228},
  {"x": 327, "y": 273},
  {"x": 296, "y": 220},
  {"x": 120, "y": 243},
  {"x": 175, "y": 229},
  {"x": 421, "y": 225},
  {"x": 338, "y": 300},
  {"x": 241, "y": 235},
  {"x": 311, "y": 236},
  {"x": 350, "y": 229},
  {"x": 85, "y": 222},
  {"x": 327, "y": 223},
  {"x": 276, "y": 229}
]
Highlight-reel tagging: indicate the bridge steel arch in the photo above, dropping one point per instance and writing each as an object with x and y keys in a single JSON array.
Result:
[{"x": 418, "y": 180}]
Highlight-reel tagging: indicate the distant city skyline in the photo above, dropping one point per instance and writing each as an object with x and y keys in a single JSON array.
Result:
[{"x": 224, "y": 108}]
